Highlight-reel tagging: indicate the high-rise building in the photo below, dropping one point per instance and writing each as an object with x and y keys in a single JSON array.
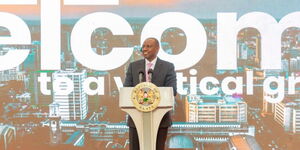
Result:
[
  {"x": 74, "y": 105},
  {"x": 215, "y": 109},
  {"x": 287, "y": 114},
  {"x": 7, "y": 137}
]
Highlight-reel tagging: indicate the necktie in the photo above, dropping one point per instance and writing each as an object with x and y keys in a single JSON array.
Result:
[{"x": 149, "y": 65}]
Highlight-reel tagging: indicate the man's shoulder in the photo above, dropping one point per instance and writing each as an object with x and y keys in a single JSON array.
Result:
[
  {"x": 165, "y": 62},
  {"x": 137, "y": 62}
]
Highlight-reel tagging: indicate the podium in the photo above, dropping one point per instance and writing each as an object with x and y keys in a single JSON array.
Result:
[{"x": 147, "y": 123}]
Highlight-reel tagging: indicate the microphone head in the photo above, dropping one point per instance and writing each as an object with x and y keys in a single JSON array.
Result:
[
  {"x": 141, "y": 75},
  {"x": 141, "y": 72},
  {"x": 150, "y": 71}
]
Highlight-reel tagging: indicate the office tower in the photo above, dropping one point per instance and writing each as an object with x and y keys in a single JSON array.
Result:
[
  {"x": 216, "y": 109},
  {"x": 7, "y": 137},
  {"x": 74, "y": 105},
  {"x": 287, "y": 114}
]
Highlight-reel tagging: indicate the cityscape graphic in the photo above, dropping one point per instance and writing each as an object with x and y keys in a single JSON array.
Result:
[{"x": 33, "y": 120}]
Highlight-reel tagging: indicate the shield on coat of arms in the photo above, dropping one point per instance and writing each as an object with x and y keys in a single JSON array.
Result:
[{"x": 145, "y": 96}]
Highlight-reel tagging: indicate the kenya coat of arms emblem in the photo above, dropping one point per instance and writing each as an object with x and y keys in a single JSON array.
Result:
[{"x": 145, "y": 96}]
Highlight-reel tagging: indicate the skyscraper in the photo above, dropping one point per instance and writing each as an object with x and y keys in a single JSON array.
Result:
[
  {"x": 287, "y": 114},
  {"x": 74, "y": 105}
]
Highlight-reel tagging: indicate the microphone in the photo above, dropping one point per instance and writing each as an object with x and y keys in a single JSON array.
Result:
[
  {"x": 141, "y": 76},
  {"x": 150, "y": 72}
]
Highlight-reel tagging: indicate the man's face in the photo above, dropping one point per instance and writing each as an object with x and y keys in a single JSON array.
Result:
[{"x": 150, "y": 49}]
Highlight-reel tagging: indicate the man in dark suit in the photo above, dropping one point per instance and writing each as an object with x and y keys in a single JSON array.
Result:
[{"x": 163, "y": 76}]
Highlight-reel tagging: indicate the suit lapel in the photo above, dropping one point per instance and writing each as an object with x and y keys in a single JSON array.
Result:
[
  {"x": 142, "y": 65},
  {"x": 156, "y": 70}
]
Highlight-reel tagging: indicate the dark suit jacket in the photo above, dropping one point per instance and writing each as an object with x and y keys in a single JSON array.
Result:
[{"x": 163, "y": 76}]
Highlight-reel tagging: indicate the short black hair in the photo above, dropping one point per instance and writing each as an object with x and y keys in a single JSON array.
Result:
[{"x": 155, "y": 40}]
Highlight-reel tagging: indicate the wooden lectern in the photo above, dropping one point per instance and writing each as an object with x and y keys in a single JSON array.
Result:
[{"x": 147, "y": 123}]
